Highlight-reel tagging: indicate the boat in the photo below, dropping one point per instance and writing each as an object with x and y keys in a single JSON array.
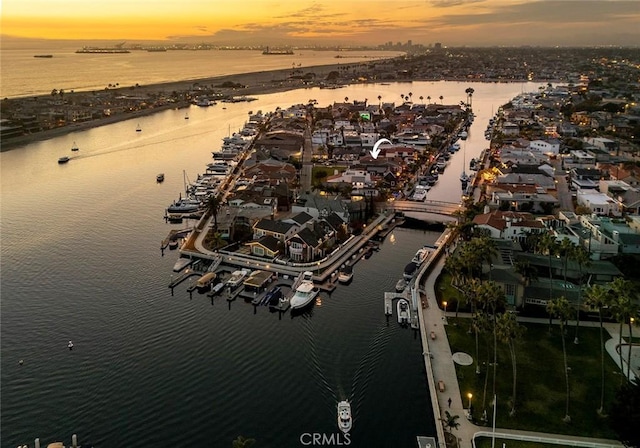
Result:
[
  {"x": 420, "y": 256},
  {"x": 345, "y": 422},
  {"x": 236, "y": 278},
  {"x": 409, "y": 271},
  {"x": 74, "y": 147},
  {"x": 217, "y": 288},
  {"x": 173, "y": 244},
  {"x": 63, "y": 159},
  {"x": 403, "y": 312},
  {"x": 305, "y": 293},
  {"x": 345, "y": 275},
  {"x": 160, "y": 177},
  {"x": 138, "y": 129},
  {"x": 277, "y": 52},
  {"x": 47, "y": 56},
  {"x": 184, "y": 205},
  {"x": 181, "y": 263},
  {"x": 205, "y": 281},
  {"x": 186, "y": 116},
  {"x": 401, "y": 285},
  {"x": 70, "y": 345}
]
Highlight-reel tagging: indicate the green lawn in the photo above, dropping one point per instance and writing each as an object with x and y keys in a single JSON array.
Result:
[{"x": 541, "y": 389}]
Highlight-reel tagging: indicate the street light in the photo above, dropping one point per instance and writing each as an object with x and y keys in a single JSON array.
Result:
[
  {"x": 444, "y": 318},
  {"x": 470, "y": 395}
]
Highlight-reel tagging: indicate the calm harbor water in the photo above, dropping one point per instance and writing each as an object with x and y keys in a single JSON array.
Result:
[{"x": 80, "y": 261}]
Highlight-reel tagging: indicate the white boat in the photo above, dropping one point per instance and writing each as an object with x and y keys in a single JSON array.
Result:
[
  {"x": 345, "y": 422},
  {"x": 305, "y": 293},
  {"x": 237, "y": 278},
  {"x": 70, "y": 345},
  {"x": 181, "y": 264},
  {"x": 401, "y": 285},
  {"x": 420, "y": 256},
  {"x": 345, "y": 274},
  {"x": 403, "y": 312}
]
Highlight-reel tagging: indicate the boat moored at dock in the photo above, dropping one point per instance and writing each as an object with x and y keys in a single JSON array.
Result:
[
  {"x": 345, "y": 274},
  {"x": 305, "y": 293},
  {"x": 403, "y": 312},
  {"x": 205, "y": 281}
]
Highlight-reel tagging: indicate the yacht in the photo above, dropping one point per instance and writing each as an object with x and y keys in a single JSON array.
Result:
[
  {"x": 409, "y": 271},
  {"x": 403, "y": 312},
  {"x": 401, "y": 285},
  {"x": 184, "y": 205},
  {"x": 305, "y": 293},
  {"x": 345, "y": 274},
  {"x": 420, "y": 256},
  {"x": 345, "y": 422},
  {"x": 236, "y": 278}
]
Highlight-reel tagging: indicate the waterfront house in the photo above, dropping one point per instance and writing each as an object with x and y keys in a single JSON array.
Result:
[
  {"x": 266, "y": 246},
  {"x": 277, "y": 229},
  {"x": 507, "y": 225},
  {"x": 321, "y": 206}
]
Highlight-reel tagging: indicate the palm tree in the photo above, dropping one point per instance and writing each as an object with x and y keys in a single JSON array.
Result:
[
  {"x": 429, "y": 99},
  {"x": 548, "y": 244},
  {"x": 346, "y": 99},
  {"x": 441, "y": 98},
  {"x": 450, "y": 421},
  {"x": 580, "y": 256},
  {"x": 242, "y": 442},
  {"x": 598, "y": 297},
  {"x": 421, "y": 99},
  {"x": 213, "y": 206},
  {"x": 410, "y": 95},
  {"x": 379, "y": 101},
  {"x": 469, "y": 91},
  {"x": 623, "y": 310},
  {"x": 509, "y": 331},
  {"x": 561, "y": 309}
]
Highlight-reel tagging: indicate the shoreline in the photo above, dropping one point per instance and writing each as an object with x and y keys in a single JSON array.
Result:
[{"x": 256, "y": 83}]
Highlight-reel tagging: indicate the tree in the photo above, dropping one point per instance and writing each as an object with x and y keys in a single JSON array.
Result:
[
  {"x": 581, "y": 256},
  {"x": 561, "y": 309},
  {"x": 213, "y": 206},
  {"x": 450, "y": 421},
  {"x": 421, "y": 99},
  {"x": 469, "y": 91},
  {"x": 597, "y": 297},
  {"x": 441, "y": 99},
  {"x": 429, "y": 99},
  {"x": 624, "y": 413},
  {"x": 242, "y": 442},
  {"x": 509, "y": 332},
  {"x": 623, "y": 309},
  {"x": 547, "y": 244}
]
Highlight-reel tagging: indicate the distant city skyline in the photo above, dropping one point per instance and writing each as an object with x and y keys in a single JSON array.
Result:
[{"x": 329, "y": 22}]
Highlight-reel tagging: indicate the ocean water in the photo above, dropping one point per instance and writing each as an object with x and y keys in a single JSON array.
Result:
[
  {"x": 24, "y": 75},
  {"x": 80, "y": 261}
]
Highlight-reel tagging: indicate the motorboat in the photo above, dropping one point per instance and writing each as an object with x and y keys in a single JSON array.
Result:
[
  {"x": 181, "y": 263},
  {"x": 345, "y": 421},
  {"x": 409, "y": 271},
  {"x": 420, "y": 256},
  {"x": 160, "y": 177},
  {"x": 401, "y": 285},
  {"x": 345, "y": 274},
  {"x": 70, "y": 345},
  {"x": 403, "y": 312},
  {"x": 63, "y": 159},
  {"x": 205, "y": 281},
  {"x": 236, "y": 278},
  {"x": 305, "y": 293}
]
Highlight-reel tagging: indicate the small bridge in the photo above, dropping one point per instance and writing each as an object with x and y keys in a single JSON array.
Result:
[{"x": 427, "y": 210}]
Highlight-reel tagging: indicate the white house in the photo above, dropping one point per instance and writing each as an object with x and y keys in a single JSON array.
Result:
[
  {"x": 551, "y": 146},
  {"x": 598, "y": 203}
]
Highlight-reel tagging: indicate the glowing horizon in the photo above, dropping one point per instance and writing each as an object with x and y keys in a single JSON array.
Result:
[{"x": 461, "y": 22}]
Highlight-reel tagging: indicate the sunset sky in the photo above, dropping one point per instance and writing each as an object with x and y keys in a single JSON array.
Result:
[{"x": 344, "y": 22}]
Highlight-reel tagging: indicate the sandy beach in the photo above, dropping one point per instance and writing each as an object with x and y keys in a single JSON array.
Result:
[{"x": 255, "y": 83}]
